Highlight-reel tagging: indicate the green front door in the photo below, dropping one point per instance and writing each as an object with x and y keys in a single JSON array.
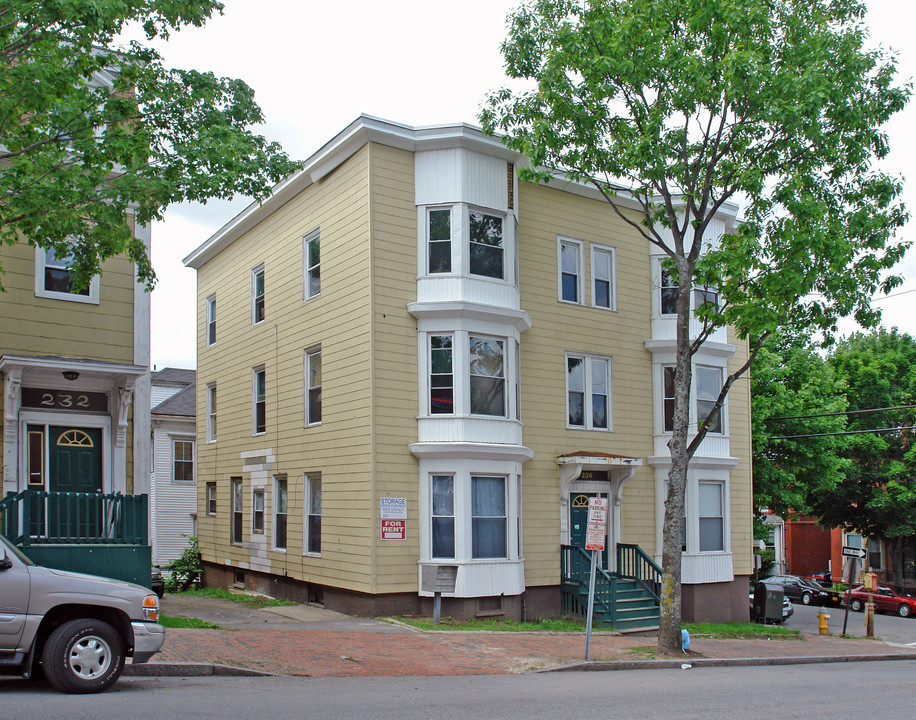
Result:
[
  {"x": 75, "y": 466},
  {"x": 578, "y": 522}
]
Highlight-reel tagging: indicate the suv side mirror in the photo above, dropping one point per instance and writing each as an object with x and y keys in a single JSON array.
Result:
[{"x": 5, "y": 562}]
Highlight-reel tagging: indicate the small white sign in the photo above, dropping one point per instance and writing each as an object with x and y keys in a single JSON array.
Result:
[
  {"x": 596, "y": 530},
  {"x": 393, "y": 508},
  {"x": 854, "y": 552}
]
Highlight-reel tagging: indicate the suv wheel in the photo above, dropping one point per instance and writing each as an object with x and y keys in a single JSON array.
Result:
[
  {"x": 856, "y": 604},
  {"x": 83, "y": 656}
]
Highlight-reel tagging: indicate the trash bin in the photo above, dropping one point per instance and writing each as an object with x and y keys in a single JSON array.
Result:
[{"x": 768, "y": 599}]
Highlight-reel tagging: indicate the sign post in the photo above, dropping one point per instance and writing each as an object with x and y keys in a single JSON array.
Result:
[
  {"x": 850, "y": 573},
  {"x": 595, "y": 533}
]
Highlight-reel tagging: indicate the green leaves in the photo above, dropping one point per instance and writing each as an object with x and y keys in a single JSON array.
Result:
[{"x": 91, "y": 133}]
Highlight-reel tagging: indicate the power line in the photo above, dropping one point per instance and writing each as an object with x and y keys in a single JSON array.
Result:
[
  {"x": 845, "y": 412},
  {"x": 847, "y": 432}
]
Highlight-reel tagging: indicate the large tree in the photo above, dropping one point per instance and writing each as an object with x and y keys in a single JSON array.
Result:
[
  {"x": 798, "y": 406},
  {"x": 91, "y": 128},
  {"x": 685, "y": 105},
  {"x": 877, "y": 497}
]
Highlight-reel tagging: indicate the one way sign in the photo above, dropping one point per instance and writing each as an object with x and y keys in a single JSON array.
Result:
[{"x": 854, "y": 552}]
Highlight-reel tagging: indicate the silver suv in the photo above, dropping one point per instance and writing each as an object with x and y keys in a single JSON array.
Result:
[{"x": 79, "y": 628}]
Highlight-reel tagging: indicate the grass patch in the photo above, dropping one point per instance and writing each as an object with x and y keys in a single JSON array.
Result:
[
  {"x": 738, "y": 630},
  {"x": 502, "y": 625},
  {"x": 254, "y": 602},
  {"x": 181, "y": 622}
]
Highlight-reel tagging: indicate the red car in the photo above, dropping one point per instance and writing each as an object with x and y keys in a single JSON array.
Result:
[{"x": 886, "y": 599}]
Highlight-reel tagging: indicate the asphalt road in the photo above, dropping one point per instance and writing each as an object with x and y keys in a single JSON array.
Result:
[
  {"x": 889, "y": 628},
  {"x": 812, "y": 692}
]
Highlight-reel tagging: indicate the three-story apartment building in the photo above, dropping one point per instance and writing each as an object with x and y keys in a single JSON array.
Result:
[{"x": 409, "y": 361}]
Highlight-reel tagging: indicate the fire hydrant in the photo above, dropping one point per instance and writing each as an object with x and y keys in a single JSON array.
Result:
[{"x": 822, "y": 618}]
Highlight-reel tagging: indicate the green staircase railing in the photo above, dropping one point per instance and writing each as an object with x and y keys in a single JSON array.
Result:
[
  {"x": 627, "y": 599},
  {"x": 36, "y": 517}
]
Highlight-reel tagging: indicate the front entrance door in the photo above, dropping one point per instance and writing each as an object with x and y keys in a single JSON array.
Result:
[
  {"x": 74, "y": 466},
  {"x": 578, "y": 522}
]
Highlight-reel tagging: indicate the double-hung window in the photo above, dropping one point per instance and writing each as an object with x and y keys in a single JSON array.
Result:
[
  {"x": 183, "y": 460},
  {"x": 487, "y": 376},
  {"x": 311, "y": 252},
  {"x": 588, "y": 391},
  {"x": 53, "y": 278},
  {"x": 237, "y": 511},
  {"x": 708, "y": 386},
  {"x": 441, "y": 375},
  {"x": 604, "y": 271},
  {"x": 259, "y": 401},
  {"x": 257, "y": 295},
  {"x": 312, "y": 544},
  {"x": 712, "y": 516},
  {"x": 668, "y": 293},
  {"x": 313, "y": 386},
  {"x": 211, "y": 412},
  {"x": 487, "y": 247},
  {"x": 443, "y": 516},
  {"x": 439, "y": 233},
  {"x": 280, "y": 508},
  {"x": 257, "y": 511},
  {"x": 668, "y": 396},
  {"x": 211, "y": 498},
  {"x": 488, "y": 517},
  {"x": 570, "y": 270},
  {"x": 211, "y": 320}
]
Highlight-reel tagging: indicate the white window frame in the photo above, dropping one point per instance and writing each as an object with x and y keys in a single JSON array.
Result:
[
  {"x": 257, "y": 511},
  {"x": 255, "y": 401},
  {"x": 589, "y": 391},
  {"x": 723, "y": 517},
  {"x": 236, "y": 500},
  {"x": 309, "y": 354},
  {"x": 504, "y": 377},
  {"x": 505, "y": 516},
  {"x": 307, "y": 269},
  {"x": 211, "y": 499},
  {"x": 281, "y": 488},
  {"x": 40, "y": 264},
  {"x": 578, "y": 247},
  {"x": 430, "y": 374},
  {"x": 697, "y": 369},
  {"x": 311, "y": 481},
  {"x": 433, "y": 516},
  {"x": 501, "y": 216},
  {"x": 611, "y": 253},
  {"x": 193, "y": 460},
  {"x": 255, "y": 273},
  {"x": 427, "y": 241},
  {"x": 211, "y": 320},
  {"x": 665, "y": 369},
  {"x": 211, "y": 412}
]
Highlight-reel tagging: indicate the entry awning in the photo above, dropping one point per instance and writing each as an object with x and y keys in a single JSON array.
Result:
[{"x": 582, "y": 457}]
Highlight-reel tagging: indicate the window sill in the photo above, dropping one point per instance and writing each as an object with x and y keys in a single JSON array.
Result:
[{"x": 311, "y": 555}]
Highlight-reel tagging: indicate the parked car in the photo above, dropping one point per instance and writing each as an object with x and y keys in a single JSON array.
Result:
[
  {"x": 80, "y": 628},
  {"x": 805, "y": 591},
  {"x": 157, "y": 584},
  {"x": 822, "y": 577},
  {"x": 886, "y": 599},
  {"x": 787, "y": 609}
]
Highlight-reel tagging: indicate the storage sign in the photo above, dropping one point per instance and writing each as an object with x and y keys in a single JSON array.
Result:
[{"x": 393, "y": 508}]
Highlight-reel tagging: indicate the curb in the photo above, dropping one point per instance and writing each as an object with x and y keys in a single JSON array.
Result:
[
  {"x": 688, "y": 663},
  {"x": 190, "y": 669}
]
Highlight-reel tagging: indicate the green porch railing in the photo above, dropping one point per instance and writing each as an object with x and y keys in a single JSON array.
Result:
[
  {"x": 36, "y": 517},
  {"x": 575, "y": 572},
  {"x": 633, "y": 562}
]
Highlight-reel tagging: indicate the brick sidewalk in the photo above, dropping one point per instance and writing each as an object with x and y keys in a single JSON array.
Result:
[{"x": 321, "y": 653}]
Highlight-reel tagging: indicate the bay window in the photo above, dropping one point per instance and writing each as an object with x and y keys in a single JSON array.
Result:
[{"x": 488, "y": 517}]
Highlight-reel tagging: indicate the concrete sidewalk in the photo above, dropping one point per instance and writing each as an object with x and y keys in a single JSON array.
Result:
[{"x": 307, "y": 641}]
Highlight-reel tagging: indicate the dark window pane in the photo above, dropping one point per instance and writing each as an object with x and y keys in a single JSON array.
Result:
[
  {"x": 486, "y": 229},
  {"x": 443, "y": 537},
  {"x": 488, "y": 538},
  {"x": 281, "y": 531},
  {"x": 488, "y": 396},
  {"x": 443, "y": 495},
  {"x": 711, "y": 535},
  {"x": 599, "y": 411},
  {"x": 487, "y": 261},
  {"x": 440, "y": 225},
  {"x": 602, "y": 293},
  {"x": 576, "y": 408},
  {"x": 441, "y": 400},
  {"x": 314, "y": 534},
  {"x": 669, "y": 414},
  {"x": 440, "y": 257},
  {"x": 570, "y": 288},
  {"x": 315, "y": 405},
  {"x": 669, "y": 301}
]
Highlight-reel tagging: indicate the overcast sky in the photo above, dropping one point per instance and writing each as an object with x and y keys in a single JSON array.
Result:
[{"x": 316, "y": 66}]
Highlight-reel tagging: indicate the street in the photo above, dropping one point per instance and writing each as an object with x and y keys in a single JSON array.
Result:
[
  {"x": 889, "y": 628},
  {"x": 815, "y": 692}
]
